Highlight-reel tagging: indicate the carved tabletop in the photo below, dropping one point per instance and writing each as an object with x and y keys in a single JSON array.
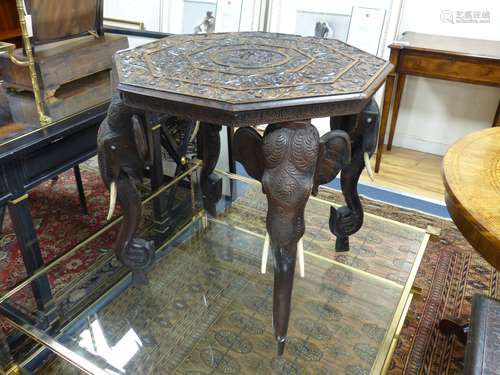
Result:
[
  {"x": 240, "y": 80},
  {"x": 238, "y": 72},
  {"x": 471, "y": 173}
]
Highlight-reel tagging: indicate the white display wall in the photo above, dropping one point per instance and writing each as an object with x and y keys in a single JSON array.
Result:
[
  {"x": 433, "y": 113},
  {"x": 365, "y": 24},
  {"x": 182, "y": 16}
]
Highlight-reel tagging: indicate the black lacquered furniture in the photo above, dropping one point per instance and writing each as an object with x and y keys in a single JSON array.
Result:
[
  {"x": 241, "y": 80},
  {"x": 28, "y": 157}
]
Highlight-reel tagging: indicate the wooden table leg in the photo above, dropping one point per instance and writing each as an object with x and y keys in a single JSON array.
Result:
[
  {"x": 389, "y": 86},
  {"x": 496, "y": 120},
  {"x": 285, "y": 161},
  {"x": 81, "y": 191},
  {"x": 25, "y": 231},
  {"x": 347, "y": 220},
  {"x": 400, "y": 85},
  {"x": 2, "y": 216},
  {"x": 291, "y": 156},
  {"x": 453, "y": 327},
  {"x": 122, "y": 150},
  {"x": 160, "y": 214},
  {"x": 208, "y": 151}
]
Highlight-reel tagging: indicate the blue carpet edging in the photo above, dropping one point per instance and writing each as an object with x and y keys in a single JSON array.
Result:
[{"x": 387, "y": 196}]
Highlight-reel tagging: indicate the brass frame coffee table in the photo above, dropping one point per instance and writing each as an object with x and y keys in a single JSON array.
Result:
[{"x": 348, "y": 310}]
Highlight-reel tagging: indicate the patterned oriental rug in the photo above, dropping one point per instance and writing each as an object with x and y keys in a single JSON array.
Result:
[{"x": 450, "y": 273}]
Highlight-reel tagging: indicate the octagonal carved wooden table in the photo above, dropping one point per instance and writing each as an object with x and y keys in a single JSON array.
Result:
[{"x": 242, "y": 80}]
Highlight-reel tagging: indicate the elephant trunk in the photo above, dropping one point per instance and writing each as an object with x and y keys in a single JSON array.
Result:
[
  {"x": 348, "y": 219},
  {"x": 284, "y": 270},
  {"x": 134, "y": 253},
  {"x": 130, "y": 203},
  {"x": 286, "y": 228}
]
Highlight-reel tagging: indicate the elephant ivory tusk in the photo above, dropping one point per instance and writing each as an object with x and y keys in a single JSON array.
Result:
[
  {"x": 368, "y": 166},
  {"x": 195, "y": 131},
  {"x": 112, "y": 200},
  {"x": 300, "y": 256},
  {"x": 265, "y": 254}
]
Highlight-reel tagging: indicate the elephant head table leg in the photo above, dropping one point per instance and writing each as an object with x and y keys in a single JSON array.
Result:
[
  {"x": 285, "y": 161},
  {"x": 122, "y": 149},
  {"x": 363, "y": 130},
  {"x": 208, "y": 151}
]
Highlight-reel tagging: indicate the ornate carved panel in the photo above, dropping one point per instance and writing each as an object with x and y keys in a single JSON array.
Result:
[{"x": 241, "y": 68}]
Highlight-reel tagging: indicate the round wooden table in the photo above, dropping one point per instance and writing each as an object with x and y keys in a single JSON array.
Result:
[{"x": 471, "y": 173}]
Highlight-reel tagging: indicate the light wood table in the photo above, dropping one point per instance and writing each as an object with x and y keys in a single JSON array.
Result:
[
  {"x": 471, "y": 173},
  {"x": 434, "y": 56}
]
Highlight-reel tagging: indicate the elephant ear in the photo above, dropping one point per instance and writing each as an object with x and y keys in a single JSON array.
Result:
[
  {"x": 370, "y": 117},
  {"x": 139, "y": 137},
  {"x": 334, "y": 154},
  {"x": 247, "y": 149}
]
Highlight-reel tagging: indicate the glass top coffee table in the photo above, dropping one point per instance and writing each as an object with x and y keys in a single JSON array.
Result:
[{"x": 207, "y": 308}]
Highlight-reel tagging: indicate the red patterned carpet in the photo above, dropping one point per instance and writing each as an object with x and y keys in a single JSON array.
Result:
[
  {"x": 60, "y": 225},
  {"x": 450, "y": 273}
]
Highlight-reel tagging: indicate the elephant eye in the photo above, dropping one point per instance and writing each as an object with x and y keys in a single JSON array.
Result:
[{"x": 113, "y": 147}]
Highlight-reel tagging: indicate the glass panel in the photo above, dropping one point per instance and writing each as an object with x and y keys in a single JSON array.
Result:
[
  {"x": 207, "y": 308},
  {"x": 383, "y": 248},
  {"x": 91, "y": 268}
]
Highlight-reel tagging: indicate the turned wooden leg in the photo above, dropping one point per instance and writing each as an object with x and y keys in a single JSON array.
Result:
[
  {"x": 400, "y": 85},
  {"x": 208, "y": 151},
  {"x": 290, "y": 152},
  {"x": 389, "y": 86}
]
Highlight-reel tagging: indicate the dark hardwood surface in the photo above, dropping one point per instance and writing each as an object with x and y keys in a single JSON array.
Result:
[
  {"x": 471, "y": 174},
  {"x": 27, "y": 159},
  {"x": 38, "y": 137},
  {"x": 208, "y": 77},
  {"x": 441, "y": 57}
]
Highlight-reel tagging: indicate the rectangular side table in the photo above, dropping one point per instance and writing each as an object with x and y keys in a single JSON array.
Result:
[{"x": 442, "y": 57}]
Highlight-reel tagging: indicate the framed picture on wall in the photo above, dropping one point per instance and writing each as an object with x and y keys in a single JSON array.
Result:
[
  {"x": 365, "y": 29},
  {"x": 324, "y": 25}
]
